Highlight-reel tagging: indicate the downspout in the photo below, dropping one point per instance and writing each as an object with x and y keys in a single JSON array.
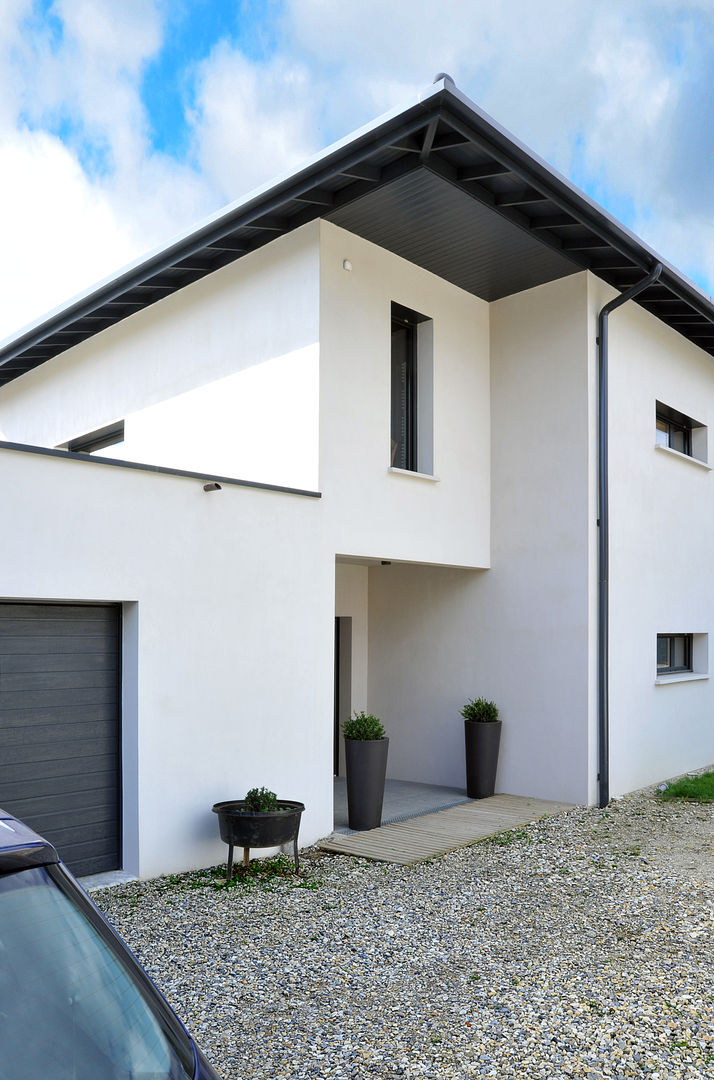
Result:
[{"x": 603, "y": 719}]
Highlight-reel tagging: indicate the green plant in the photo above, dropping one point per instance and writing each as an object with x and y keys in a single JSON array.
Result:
[
  {"x": 480, "y": 710},
  {"x": 362, "y": 725},
  {"x": 695, "y": 788},
  {"x": 261, "y": 801}
]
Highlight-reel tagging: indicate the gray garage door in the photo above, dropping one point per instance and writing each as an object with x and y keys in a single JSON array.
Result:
[{"x": 59, "y": 727}]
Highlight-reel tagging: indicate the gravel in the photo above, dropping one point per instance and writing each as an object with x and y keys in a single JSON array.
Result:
[{"x": 578, "y": 946}]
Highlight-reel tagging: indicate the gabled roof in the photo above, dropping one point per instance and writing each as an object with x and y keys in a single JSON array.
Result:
[{"x": 439, "y": 183}]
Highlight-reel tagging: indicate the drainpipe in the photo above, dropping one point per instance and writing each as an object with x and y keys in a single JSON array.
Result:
[{"x": 603, "y": 719}]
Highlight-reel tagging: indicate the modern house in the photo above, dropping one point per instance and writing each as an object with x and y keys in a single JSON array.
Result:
[{"x": 351, "y": 443}]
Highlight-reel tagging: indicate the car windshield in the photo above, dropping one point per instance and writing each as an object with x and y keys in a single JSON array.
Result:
[{"x": 69, "y": 1008}]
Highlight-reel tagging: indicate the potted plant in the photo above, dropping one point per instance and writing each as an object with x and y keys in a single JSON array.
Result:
[
  {"x": 259, "y": 820},
  {"x": 482, "y": 732},
  {"x": 366, "y": 748}
]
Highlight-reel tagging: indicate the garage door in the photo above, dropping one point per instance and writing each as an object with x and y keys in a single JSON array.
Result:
[{"x": 59, "y": 727}]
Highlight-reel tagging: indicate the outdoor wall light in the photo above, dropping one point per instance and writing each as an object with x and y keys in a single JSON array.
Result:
[
  {"x": 346, "y": 264},
  {"x": 213, "y": 486}
]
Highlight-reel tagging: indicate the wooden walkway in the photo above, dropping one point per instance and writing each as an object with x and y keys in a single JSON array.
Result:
[{"x": 420, "y": 838}]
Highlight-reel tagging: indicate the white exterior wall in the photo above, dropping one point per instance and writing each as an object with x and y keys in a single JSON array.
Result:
[
  {"x": 371, "y": 511},
  {"x": 228, "y": 604},
  {"x": 661, "y": 545},
  {"x": 221, "y": 377},
  {"x": 522, "y": 632}
]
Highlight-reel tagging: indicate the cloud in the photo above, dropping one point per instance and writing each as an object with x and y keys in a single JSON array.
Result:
[
  {"x": 59, "y": 232},
  {"x": 615, "y": 95},
  {"x": 251, "y": 121}
]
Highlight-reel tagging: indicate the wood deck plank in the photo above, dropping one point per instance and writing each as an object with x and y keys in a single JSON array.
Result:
[{"x": 431, "y": 835}]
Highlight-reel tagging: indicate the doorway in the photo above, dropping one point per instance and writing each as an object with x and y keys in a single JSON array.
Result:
[{"x": 343, "y": 686}]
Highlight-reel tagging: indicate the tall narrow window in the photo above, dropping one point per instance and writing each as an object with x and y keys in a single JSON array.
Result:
[{"x": 411, "y": 391}]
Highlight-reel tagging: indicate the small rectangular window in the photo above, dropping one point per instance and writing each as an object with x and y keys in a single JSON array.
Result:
[
  {"x": 674, "y": 653},
  {"x": 411, "y": 391},
  {"x": 677, "y": 431}
]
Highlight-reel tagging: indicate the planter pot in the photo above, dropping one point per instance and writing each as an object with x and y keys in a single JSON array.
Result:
[
  {"x": 366, "y": 762},
  {"x": 482, "y": 743},
  {"x": 247, "y": 829}
]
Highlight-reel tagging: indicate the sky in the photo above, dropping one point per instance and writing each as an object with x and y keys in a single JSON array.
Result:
[{"x": 124, "y": 123}]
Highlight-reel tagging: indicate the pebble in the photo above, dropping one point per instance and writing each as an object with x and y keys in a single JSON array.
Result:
[{"x": 580, "y": 947}]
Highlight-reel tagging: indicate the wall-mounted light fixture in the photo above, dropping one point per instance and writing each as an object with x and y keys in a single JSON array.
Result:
[
  {"x": 213, "y": 486},
  {"x": 346, "y": 264}
]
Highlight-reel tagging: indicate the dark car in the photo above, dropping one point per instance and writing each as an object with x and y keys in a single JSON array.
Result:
[{"x": 74, "y": 1002}]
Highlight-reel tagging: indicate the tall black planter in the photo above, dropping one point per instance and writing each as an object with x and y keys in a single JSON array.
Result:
[
  {"x": 482, "y": 743},
  {"x": 366, "y": 761}
]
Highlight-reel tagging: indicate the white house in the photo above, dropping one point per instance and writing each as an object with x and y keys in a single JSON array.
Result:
[{"x": 389, "y": 362}]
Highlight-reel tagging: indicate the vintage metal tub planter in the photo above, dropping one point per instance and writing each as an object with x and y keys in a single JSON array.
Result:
[{"x": 260, "y": 820}]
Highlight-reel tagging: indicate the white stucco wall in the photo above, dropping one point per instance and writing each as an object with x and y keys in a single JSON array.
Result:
[
  {"x": 661, "y": 544},
  {"x": 370, "y": 510},
  {"x": 519, "y": 633},
  {"x": 221, "y": 377},
  {"x": 228, "y": 601}
]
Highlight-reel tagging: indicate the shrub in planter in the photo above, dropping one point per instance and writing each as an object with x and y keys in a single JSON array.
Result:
[
  {"x": 480, "y": 711},
  {"x": 366, "y": 748},
  {"x": 482, "y": 735},
  {"x": 259, "y": 820}
]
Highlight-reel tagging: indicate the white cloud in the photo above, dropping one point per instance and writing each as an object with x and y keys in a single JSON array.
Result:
[
  {"x": 618, "y": 95},
  {"x": 59, "y": 233},
  {"x": 252, "y": 121}
]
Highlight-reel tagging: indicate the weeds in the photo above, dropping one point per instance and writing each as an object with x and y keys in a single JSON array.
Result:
[{"x": 693, "y": 788}]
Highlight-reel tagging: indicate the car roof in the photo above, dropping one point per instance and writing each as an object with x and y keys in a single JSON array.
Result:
[{"x": 20, "y": 847}]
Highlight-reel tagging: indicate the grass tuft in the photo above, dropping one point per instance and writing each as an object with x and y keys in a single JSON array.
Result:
[{"x": 694, "y": 788}]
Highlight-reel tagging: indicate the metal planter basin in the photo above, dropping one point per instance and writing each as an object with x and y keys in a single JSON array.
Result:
[{"x": 245, "y": 828}]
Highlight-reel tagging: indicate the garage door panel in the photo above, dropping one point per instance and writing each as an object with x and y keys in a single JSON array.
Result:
[
  {"x": 21, "y": 609},
  {"x": 38, "y": 663},
  {"x": 33, "y": 755},
  {"x": 24, "y": 629},
  {"x": 94, "y": 802},
  {"x": 60, "y": 643},
  {"x": 59, "y": 727},
  {"x": 59, "y": 680},
  {"x": 85, "y": 788},
  {"x": 52, "y": 769},
  {"x": 63, "y": 718},
  {"x": 49, "y": 699}
]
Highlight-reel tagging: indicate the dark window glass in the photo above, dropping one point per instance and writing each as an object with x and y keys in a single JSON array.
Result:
[
  {"x": 674, "y": 653},
  {"x": 403, "y": 395},
  {"x": 673, "y": 431}
]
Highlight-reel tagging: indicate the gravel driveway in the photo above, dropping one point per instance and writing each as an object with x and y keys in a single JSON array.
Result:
[{"x": 579, "y": 946}]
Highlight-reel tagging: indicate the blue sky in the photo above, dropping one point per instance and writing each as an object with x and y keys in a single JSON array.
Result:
[{"x": 122, "y": 124}]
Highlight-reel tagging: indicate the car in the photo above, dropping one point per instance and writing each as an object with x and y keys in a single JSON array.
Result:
[{"x": 75, "y": 1004}]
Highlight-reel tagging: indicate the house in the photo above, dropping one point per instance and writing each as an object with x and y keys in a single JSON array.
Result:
[{"x": 420, "y": 399}]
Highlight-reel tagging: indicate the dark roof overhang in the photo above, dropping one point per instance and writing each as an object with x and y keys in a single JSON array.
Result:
[{"x": 439, "y": 183}]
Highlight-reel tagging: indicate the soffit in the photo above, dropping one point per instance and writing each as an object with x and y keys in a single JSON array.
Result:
[{"x": 431, "y": 223}]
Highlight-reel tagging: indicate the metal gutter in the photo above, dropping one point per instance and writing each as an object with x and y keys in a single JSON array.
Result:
[{"x": 603, "y": 775}]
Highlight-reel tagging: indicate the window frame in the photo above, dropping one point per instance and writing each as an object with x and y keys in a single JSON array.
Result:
[
  {"x": 687, "y": 650},
  {"x": 676, "y": 426},
  {"x": 405, "y": 390}
]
